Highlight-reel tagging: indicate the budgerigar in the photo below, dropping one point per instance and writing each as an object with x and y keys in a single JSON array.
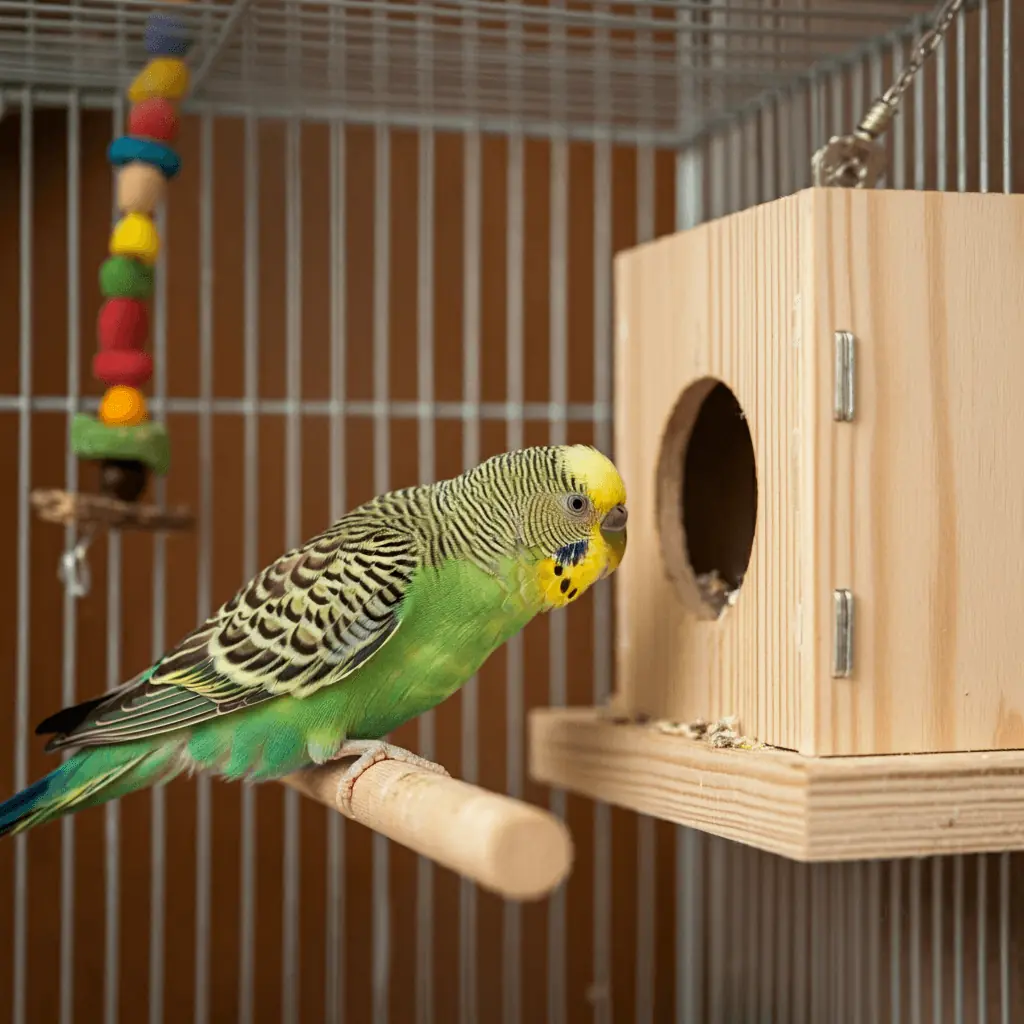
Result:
[{"x": 379, "y": 618}]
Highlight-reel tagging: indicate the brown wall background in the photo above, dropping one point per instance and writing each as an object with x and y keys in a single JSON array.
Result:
[
  {"x": 48, "y": 443},
  {"x": 816, "y": 939}
]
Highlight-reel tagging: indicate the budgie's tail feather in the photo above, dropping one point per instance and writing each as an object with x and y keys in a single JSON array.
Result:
[{"x": 90, "y": 777}]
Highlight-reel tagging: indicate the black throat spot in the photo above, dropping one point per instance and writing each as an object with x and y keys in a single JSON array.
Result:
[{"x": 572, "y": 553}]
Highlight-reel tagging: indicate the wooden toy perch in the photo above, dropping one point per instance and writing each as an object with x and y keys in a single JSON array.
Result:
[
  {"x": 507, "y": 846},
  {"x": 55, "y": 506},
  {"x": 123, "y": 442}
]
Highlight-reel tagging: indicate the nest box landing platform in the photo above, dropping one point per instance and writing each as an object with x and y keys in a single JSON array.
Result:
[{"x": 818, "y": 408}]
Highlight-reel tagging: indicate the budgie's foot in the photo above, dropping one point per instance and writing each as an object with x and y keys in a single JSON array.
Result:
[{"x": 370, "y": 752}]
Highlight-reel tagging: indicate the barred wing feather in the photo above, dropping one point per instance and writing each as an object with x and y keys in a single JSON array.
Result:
[{"x": 307, "y": 621}]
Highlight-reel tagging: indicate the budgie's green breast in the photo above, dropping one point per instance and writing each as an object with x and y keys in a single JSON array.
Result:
[{"x": 453, "y": 617}]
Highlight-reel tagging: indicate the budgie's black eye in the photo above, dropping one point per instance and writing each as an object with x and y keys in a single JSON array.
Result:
[{"x": 577, "y": 504}]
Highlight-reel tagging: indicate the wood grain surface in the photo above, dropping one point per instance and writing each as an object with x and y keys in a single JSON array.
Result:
[
  {"x": 917, "y": 506},
  {"x": 804, "y": 808}
]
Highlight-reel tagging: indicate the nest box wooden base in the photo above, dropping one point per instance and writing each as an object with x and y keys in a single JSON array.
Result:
[
  {"x": 804, "y": 808},
  {"x": 98, "y": 510},
  {"x": 771, "y": 477}
]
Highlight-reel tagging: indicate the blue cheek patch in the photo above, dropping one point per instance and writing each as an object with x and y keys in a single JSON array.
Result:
[{"x": 573, "y": 553}]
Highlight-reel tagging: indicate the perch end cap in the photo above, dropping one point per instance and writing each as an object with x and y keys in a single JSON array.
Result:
[{"x": 506, "y": 846}]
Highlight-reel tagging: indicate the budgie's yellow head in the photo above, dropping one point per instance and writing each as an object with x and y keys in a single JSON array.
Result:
[{"x": 581, "y": 526}]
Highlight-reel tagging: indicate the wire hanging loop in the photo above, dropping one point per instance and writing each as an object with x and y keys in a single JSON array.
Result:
[
  {"x": 858, "y": 160},
  {"x": 74, "y": 570}
]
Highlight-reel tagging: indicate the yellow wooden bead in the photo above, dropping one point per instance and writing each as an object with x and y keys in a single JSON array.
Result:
[
  {"x": 123, "y": 406},
  {"x": 163, "y": 77},
  {"x": 135, "y": 235}
]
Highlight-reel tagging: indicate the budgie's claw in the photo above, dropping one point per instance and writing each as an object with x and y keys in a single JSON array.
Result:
[{"x": 369, "y": 753}]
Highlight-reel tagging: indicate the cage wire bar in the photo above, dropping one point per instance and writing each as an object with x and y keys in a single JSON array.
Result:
[
  {"x": 247, "y": 921},
  {"x": 572, "y": 73},
  {"x": 158, "y": 811},
  {"x": 836, "y": 983},
  {"x": 477, "y": 66},
  {"x": 334, "y": 996}
]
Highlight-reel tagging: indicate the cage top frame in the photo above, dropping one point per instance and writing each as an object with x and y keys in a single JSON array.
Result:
[{"x": 658, "y": 73}]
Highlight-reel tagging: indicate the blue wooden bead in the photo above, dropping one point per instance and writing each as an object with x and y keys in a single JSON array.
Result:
[
  {"x": 127, "y": 150},
  {"x": 166, "y": 37}
]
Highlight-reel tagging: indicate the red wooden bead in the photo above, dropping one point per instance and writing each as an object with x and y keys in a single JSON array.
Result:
[
  {"x": 155, "y": 119},
  {"x": 126, "y": 366},
  {"x": 122, "y": 324}
]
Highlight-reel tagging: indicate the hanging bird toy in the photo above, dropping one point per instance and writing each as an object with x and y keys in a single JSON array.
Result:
[{"x": 126, "y": 444}]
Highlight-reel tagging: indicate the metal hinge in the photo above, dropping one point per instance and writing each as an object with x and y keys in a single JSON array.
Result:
[
  {"x": 842, "y": 634},
  {"x": 845, "y": 360}
]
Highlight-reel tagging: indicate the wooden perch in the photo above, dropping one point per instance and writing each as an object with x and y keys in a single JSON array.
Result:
[
  {"x": 507, "y": 846},
  {"x": 98, "y": 510}
]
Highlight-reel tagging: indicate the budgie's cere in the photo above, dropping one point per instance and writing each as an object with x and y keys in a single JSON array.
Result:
[{"x": 379, "y": 618}]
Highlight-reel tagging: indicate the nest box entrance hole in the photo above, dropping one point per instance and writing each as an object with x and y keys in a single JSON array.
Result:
[{"x": 707, "y": 497}]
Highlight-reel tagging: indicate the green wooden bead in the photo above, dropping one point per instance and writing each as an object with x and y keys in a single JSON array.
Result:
[
  {"x": 124, "y": 278},
  {"x": 147, "y": 442}
]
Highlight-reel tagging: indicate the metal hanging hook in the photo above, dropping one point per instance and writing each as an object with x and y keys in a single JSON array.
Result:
[
  {"x": 857, "y": 160},
  {"x": 74, "y": 570}
]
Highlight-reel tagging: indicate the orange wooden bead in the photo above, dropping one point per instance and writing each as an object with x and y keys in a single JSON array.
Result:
[{"x": 123, "y": 406}]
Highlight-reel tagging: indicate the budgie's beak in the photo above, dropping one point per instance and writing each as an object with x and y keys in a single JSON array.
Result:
[
  {"x": 613, "y": 530},
  {"x": 615, "y": 519}
]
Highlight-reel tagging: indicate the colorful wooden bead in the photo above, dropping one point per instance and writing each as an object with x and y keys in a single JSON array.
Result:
[
  {"x": 122, "y": 324},
  {"x": 134, "y": 235},
  {"x": 129, "y": 367},
  {"x": 155, "y": 118},
  {"x": 147, "y": 443},
  {"x": 124, "y": 278},
  {"x": 123, "y": 479},
  {"x": 122, "y": 406},
  {"x": 166, "y": 77},
  {"x": 127, "y": 149},
  {"x": 140, "y": 188},
  {"x": 166, "y": 37}
]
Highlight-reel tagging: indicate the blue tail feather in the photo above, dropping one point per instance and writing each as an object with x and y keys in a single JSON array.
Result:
[
  {"x": 23, "y": 803},
  {"x": 87, "y": 778}
]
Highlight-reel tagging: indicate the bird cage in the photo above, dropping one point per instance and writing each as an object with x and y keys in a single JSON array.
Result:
[{"x": 406, "y": 236}]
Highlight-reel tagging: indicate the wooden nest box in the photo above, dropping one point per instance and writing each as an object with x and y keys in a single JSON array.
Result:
[{"x": 819, "y": 410}]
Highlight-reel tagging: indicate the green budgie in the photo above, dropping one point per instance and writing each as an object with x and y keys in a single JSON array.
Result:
[{"x": 379, "y": 618}]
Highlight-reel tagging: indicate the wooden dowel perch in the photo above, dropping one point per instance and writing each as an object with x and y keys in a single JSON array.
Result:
[
  {"x": 101, "y": 510},
  {"x": 505, "y": 845}
]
